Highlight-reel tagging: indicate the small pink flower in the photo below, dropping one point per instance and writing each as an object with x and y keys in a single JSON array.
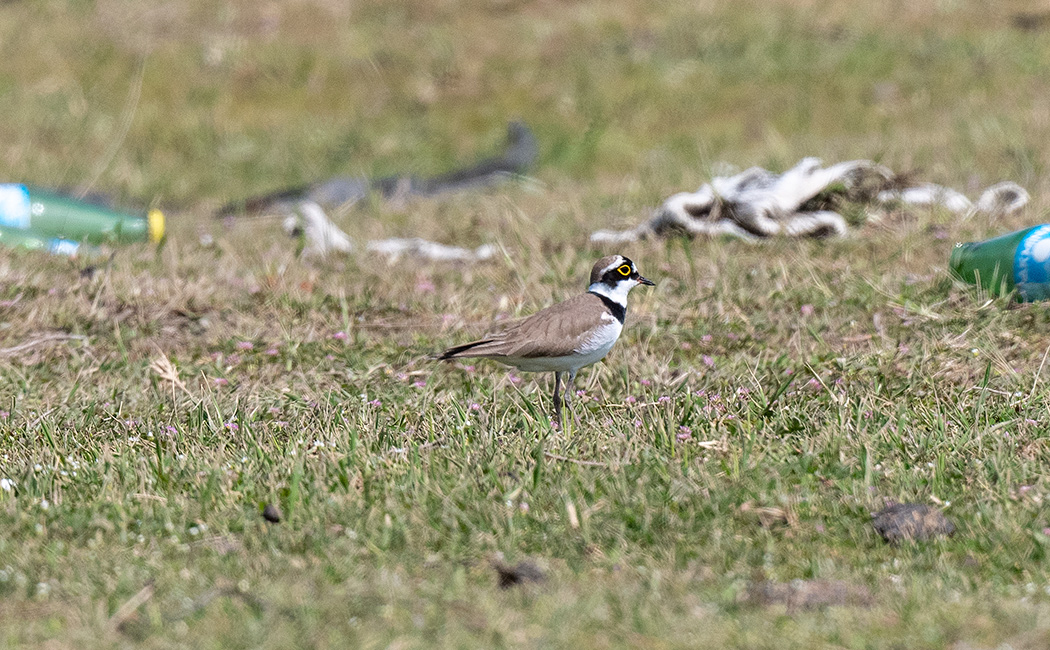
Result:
[
  {"x": 474, "y": 406},
  {"x": 329, "y": 357},
  {"x": 664, "y": 399},
  {"x": 232, "y": 426},
  {"x": 706, "y": 338},
  {"x": 813, "y": 383},
  {"x": 4, "y": 415},
  {"x": 220, "y": 381},
  {"x": 646, "y": 382},
  {"x": 469, "y": 368},
  {"x": 245, "y": 345},
  {"x": 807, "y": 310},
  {"x": 419, "y": 383},
  {"x": 686, "y": 346},
  {"x": 339, "y": 336},
  {"x": 375, "y": 403},
  {"x": 514, "y": 379},
  {"x": 637, "y": 424},
  {"x": 402, "y": 376},
  {"x": 708, "y": 361},
  {"x": 273, "y": 352},
  {"x": 701, "y": 393},
  {"x": 684, "y": 433},
  {"x": 1046, "y": 531},
  {"x": 631, "y": 399}
]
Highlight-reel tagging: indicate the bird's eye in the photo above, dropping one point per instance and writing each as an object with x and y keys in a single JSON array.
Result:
[{"x": 624, "y": 270}]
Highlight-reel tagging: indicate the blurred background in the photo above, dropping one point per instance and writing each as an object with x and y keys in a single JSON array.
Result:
[{"x": 191, "y": 104}]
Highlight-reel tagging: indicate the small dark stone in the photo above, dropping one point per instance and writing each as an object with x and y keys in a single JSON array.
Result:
[
  {"x": 520, "y": 573},
  {"x": 911, "y": 522},
  {"x": 271, "y": 514},
  {"x": 1031, "y": 21}
]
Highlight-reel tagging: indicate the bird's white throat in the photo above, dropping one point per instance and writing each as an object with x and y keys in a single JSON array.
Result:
[{"x": 617, "y": 294}]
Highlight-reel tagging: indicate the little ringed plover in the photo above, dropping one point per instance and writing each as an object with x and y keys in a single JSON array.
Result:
[{"x": 566, "y": 336}]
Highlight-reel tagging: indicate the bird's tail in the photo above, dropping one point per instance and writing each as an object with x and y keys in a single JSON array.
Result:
[{"x": 460, "y": 350}]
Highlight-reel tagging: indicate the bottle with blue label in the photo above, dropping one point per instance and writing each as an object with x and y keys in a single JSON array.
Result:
[
  {"x": 48, "y": 215},
  {"x": 1019, "y": 261},
  {"x": 24, "y": 239}
]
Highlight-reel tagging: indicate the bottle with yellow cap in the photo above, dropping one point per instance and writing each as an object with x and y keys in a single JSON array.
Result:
[{"x": 49, "y": 215}]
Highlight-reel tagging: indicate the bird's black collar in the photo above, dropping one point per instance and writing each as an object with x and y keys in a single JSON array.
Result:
[{"x": 618, "y": 310}]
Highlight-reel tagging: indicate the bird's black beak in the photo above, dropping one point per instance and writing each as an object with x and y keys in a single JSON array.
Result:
[{"x": 645, "y": 281}]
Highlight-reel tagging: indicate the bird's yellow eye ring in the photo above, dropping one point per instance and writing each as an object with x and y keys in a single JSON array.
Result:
[{"x": 624, "y": 270}]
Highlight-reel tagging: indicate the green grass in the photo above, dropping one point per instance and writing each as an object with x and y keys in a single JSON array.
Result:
[{"x": 821, "y": 379}]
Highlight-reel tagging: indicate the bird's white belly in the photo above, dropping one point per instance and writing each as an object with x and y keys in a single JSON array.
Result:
[{"x": 591, "y": 351}]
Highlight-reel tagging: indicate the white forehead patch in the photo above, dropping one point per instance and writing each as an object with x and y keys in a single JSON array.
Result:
[{"x": 617, "y": 262}]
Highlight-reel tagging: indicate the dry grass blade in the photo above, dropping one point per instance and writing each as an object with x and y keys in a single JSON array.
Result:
[
  {"x": 40, "y": 340},
  {"x": 129, "y": 607},
  {"x": 577, "y": 461},
  {"x": 166, "y": 370}
]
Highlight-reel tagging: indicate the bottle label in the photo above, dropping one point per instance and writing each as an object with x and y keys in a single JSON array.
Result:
[
  {"x": 14, "y": 206},
  {"x": 63, "y": 247},
  {"x": 1032, "y": 265}
]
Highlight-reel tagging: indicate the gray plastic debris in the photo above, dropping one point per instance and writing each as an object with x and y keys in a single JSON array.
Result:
[{"x": 519, "y": 154}]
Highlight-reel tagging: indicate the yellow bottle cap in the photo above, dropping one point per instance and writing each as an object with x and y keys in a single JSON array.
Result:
[{"x": 156, "y": 225}]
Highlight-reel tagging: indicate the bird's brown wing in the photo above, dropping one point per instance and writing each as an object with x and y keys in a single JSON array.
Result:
[{"x": 557, "y": 331}]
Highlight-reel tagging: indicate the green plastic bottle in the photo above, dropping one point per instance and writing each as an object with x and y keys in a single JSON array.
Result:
[
  {"x": 49, "y": 215},
  {"x": 23, "y": 239},
  {"x": 1018, "y": 261}
]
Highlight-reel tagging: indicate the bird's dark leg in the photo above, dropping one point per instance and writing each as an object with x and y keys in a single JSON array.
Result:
[
  {"x": 557, "y": 398},
  {"x": 570, "y": 393}
]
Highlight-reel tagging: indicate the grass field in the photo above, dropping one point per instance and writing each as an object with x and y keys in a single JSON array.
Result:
[{"x": 763, "y": 402}]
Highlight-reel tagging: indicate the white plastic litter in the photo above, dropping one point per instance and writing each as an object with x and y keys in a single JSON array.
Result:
[
  {"x": 324, "y": 237},
  {"x": 395, "y": 248},
  {"x": 757, "y": 203}
]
